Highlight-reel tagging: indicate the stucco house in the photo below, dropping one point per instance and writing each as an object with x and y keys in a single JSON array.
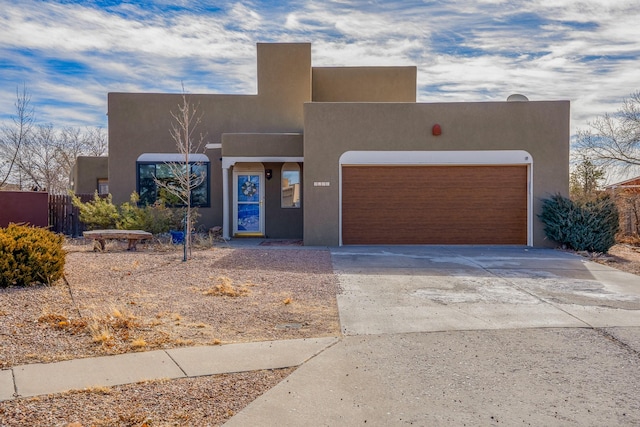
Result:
[
  {"x": 627, "y": 196},
  {"x": 90, "y": 174},
  {"x": 346, "y": 156}
]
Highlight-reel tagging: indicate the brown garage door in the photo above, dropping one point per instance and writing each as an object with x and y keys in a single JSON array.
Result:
[{"x": 434, "y": 205}]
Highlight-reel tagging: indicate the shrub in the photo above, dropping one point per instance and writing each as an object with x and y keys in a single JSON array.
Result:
[
  {"x": 584, "y": 225},
  {"x": 98, "y": 213},
  {"x": 30, "y": 255},
  {"x": 101, "y": 213},
  {"x": 155, "y": 218}
]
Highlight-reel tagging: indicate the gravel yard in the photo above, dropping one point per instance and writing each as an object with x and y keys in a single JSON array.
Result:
[
  {"x": 118, "y": 301},
  {"x": 623, "y": 257}
]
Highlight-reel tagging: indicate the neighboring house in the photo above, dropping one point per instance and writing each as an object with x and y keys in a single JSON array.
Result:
[
  {"x": 90, "y": 174},
  {"x": 627, "y": 197},
  {"x": 345, "y": 155}
]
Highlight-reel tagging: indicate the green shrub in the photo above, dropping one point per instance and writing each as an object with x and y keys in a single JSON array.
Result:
[
  {"x": 30, "y": 255},
  {"x": 584, "y": 225},
  {"x": 155, "y": 218},
  {"x": 99, "y": 213}
]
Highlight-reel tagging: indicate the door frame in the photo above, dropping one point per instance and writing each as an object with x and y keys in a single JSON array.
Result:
[
  {"x": 249, "y": 169},
  {"x": 228, "y": 163}
]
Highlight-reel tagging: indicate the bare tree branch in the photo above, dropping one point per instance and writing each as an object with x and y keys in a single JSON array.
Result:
[
  {"x": 13, "y": 137},
  {"x": 614, "y": 139},
  {"x": 39, "y": 156}
]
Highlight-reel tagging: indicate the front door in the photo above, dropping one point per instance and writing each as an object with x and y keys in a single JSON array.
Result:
[{"x": 248, "y": 215}]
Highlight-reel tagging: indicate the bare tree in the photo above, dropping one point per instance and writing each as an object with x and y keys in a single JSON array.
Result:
[
  {"x": 38, "y": 162},
  {"x": 614, "y": 139},
  {"x": 39, "y": 156},
  {"x": 183, "y": 133},
  {"x": 14, "y": 136},
  {"x": 74, "y": 142}
]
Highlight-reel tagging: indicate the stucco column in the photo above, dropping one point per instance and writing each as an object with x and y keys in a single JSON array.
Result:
[{"x": 225, "y": 203}]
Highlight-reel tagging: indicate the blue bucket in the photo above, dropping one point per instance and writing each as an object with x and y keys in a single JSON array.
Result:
[{"x": 177, "y": 237}]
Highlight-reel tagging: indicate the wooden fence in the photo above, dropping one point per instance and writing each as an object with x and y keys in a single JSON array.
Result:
[{"x": 63, "y": 216}]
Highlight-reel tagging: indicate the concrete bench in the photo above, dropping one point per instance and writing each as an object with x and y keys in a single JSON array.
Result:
[{"x": 132, "y": 235}]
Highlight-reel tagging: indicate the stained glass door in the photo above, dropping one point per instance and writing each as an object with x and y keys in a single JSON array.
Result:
[{"x": 248, "y": 192}]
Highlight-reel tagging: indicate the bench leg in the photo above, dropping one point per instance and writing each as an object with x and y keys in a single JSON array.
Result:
[
  {"x": 98, "y": 245},
  {"x": 132, "y": 244}
]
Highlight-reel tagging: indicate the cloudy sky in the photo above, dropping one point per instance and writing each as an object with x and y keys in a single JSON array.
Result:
[{"x": 70, "y": 54}]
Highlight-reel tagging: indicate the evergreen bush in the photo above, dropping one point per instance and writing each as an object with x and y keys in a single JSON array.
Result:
[
  {"x": 99, "y": 213},
  {"x": 155, "y": 218},
  {"x": 583, "y": 225},
  {"x": 30, "y": 255}
]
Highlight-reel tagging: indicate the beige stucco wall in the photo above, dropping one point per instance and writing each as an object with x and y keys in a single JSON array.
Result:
[
  {"x": 364, "y": 84},
  {"x": 262, "y": 145},
  {"x": 540, "y": 128},
  {"x": 86, "y": 172},
  {"x": 140, "y": 122}
]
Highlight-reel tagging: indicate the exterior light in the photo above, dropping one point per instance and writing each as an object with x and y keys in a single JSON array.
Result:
[{"x": 436, "y": 130}]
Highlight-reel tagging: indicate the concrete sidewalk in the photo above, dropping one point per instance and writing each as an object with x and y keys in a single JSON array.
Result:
[{"x": 45, "y": 378}]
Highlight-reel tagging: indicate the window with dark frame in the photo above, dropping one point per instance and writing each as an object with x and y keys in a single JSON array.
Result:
[{"x": 150, "y": 192}]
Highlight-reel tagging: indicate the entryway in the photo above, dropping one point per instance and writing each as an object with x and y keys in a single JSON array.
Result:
[{"x": 248, "y": 200}]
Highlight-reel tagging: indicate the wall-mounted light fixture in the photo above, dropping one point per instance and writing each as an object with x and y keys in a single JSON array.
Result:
[
  {"x": 268, "y": 173},
  {"x": 436, "y": 130}
]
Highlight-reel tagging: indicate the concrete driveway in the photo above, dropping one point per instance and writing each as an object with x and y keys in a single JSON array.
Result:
[{"x": 469, "y": 335}]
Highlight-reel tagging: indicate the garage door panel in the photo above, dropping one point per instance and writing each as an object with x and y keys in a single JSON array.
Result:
[{"x": 434, "y": 205}]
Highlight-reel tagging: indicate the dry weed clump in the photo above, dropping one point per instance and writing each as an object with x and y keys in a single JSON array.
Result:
[
  {"x": 225, "y": 287},
  {"x": 101, "y": 390},
  {"x": 114, "y": 329},
  {"x": 138, "y": 343},
  {"x": 62, "y": 322}
]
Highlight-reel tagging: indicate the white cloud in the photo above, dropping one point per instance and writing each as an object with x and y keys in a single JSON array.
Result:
[
  {"x": 244, "y": 17},
  {"x": 586, "y": 51}
]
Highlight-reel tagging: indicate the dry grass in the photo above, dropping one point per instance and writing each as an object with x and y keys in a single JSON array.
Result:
[
  {"x": 225, "y": 287},
  {"x": 62, "y": 322},
  {"x": 118, "y": 302}
]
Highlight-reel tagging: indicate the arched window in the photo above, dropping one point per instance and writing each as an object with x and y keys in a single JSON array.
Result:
[{"x": 290, "y": 185}]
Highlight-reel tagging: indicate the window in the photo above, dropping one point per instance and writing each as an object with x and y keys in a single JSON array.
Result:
[
  {"x": 290, "y": 185},
  {"x": 103, "y": 186},
  {"x": 162, "y": 168}
]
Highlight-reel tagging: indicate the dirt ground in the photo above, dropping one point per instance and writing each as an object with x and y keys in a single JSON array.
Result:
[
  {"x": 623, "y": 257},
  {"x": 118, "y": 301}
]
